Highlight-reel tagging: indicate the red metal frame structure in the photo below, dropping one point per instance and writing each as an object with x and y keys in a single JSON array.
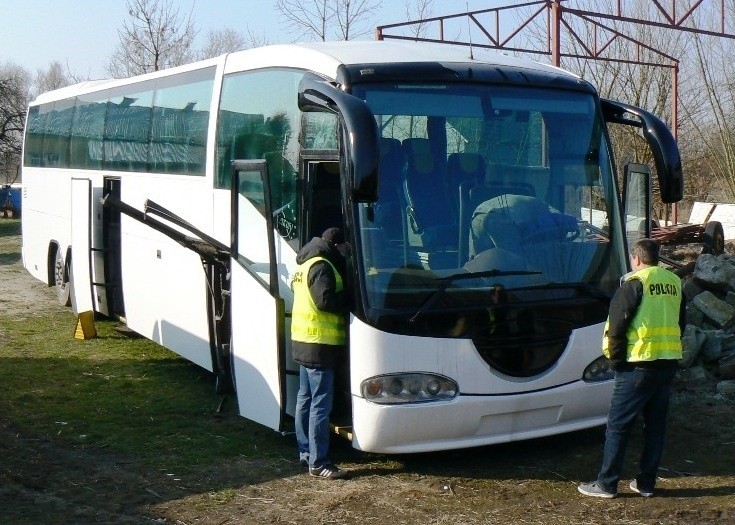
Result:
[{"x": 559, "y": 19}]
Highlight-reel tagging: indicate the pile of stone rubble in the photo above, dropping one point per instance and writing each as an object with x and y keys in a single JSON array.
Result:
[{"x": 709, "y": 337}]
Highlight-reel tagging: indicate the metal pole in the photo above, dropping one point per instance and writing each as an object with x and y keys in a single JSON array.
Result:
[
  {"x": 675, "y": 120},
  {"x": 555, "y": 33}
]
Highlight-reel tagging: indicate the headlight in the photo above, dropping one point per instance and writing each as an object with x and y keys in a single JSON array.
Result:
[
  {"x": 408, "y": 388},
  {"x": 598, "y": 370}
]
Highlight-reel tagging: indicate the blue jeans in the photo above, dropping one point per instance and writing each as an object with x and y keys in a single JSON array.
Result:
[
  {"x": 313, "y": 405},
  {"x": 637, "y": 391}
]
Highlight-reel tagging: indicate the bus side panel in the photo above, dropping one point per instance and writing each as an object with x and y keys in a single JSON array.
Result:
[
  {"x": 46, "y": 216},
  {"x": 164, "y": 284}
]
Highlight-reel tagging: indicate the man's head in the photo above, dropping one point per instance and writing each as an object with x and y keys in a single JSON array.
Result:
[
  {"x": 334, "y": 236},
  {"x": 644, "y": 253}
]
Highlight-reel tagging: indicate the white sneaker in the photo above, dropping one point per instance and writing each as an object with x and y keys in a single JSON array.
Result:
[{"x": 644, "y": 493}]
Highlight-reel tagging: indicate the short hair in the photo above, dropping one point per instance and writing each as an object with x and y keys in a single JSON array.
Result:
[
  {"x": 333, "y": 236},
  {"x": 647, "y": 250}
]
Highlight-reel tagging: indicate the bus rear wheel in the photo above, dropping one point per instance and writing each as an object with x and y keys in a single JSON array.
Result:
[{"x": 62, "y": 271}]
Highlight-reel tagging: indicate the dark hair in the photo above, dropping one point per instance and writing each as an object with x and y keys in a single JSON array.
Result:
[
  {"x": 646, "y": 250},
  {"x": 333, "y": 236}
]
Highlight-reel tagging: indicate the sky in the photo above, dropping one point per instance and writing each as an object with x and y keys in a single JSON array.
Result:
[{"x": 82, "y": 34}]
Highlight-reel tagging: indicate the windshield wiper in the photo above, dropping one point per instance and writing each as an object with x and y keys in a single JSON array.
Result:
[{"x": 449, "y": 279}]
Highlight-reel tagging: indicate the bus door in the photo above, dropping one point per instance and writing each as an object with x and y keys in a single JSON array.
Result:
[
  {"x": 111, "y": 262},
  {"x": 81, "y": 238},
  {"x": 323, "y": 207},
  {"x": 637, "y": 202},
  {"x": 258, "y": 312}
]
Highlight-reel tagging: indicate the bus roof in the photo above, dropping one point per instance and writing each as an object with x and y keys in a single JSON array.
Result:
[{"x": 326, "y": 58}]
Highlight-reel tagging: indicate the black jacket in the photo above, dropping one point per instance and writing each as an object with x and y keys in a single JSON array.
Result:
[{"x": 323, "y": 290}]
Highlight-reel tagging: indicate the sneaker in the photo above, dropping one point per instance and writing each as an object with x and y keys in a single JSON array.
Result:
[
  {"x": 644, "y": 493},
  {"x": 594, "y": 490},
  {"x": 327, "y": 471}
]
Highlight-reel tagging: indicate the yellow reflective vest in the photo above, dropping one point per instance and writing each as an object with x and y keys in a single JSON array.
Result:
[
  {"x": 654, "y": 331},
  {"x": 308, "y": 323}
]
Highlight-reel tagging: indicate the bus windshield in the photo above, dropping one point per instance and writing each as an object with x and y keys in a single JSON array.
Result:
[{"x": 477, "y": 178}]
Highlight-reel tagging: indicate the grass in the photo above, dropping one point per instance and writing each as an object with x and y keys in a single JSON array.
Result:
[
  {"x": 126, "y": 395},
  {"x": 130, "y": 395},
  {"x": 9, "y": 227}
]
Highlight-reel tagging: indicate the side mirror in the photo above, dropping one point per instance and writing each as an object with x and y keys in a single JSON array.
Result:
[
  {"x": 360, "y": 137},
  {"x": 662, "y": 143}
]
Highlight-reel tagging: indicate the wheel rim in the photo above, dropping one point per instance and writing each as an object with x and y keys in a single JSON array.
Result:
[
  {"x": 59, "y": 271},
  {"x": 61, "y": 280}
]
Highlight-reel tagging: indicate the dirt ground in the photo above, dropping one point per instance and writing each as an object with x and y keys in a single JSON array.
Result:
[{"x": 46, "y": 481}]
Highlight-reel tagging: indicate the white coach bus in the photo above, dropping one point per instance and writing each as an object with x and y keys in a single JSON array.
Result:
[{"x": 479, "y": 197}]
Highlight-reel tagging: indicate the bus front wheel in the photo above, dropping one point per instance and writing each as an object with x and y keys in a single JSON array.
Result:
[{"x": 62, "y": 271}]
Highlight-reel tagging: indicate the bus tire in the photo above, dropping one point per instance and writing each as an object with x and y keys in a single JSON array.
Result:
[
  {"x": 62, "y": 273},
  {"x": 714, "y": 238}
]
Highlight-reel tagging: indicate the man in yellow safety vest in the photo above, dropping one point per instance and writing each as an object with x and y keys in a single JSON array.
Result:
[
  {"x": 318, "y": 336},
  {"x": 642, "y": 339}
]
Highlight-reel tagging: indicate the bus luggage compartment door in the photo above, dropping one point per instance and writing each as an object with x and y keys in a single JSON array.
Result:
[{"x": 81, "y": 274}]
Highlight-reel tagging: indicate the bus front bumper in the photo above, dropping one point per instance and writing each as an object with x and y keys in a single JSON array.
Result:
[{"x": 476, "y": 420}]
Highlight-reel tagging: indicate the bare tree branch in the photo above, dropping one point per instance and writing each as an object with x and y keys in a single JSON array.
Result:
[
  {"x": 155, "y": 37},
  {"x": 350, "y": 16},
  {"x": 14, "y": 97},
  {"x": 54, "y": 77},
  {"x": 325, "y": 19},
  {"x": 306, "y": 18},
  {"x": 418, "y": 10}
]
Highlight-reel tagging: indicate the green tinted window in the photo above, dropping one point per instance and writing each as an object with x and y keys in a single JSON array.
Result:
[
  {"x": 87, "y": 130},
  {"x": 56, "y": 134},
  {"x": 33, "y": 148},
  {"x": 127, "y": 128},
  {"x": 180, "y": 118},
  {"x": 319, "y": 131},
  {"x": 122, "y": 129},
  {"x": 259, "y": 119}
]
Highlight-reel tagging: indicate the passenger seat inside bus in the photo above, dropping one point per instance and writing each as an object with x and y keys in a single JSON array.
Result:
[
  {"x": 428, "y": 207},
  {"x": 464, "y": 168},
  {"x": 390, "y": 184}
]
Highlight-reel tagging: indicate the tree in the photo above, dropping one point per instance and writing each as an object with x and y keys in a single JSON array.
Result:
[
  {"x": 156, "y": 37},
  {"x": 219, "y": 42},
  {"x": 351, "y": 15},
  {"x": 306, "y": 18},
  {"x": 52, "y": 78},
  {"x": 708, "y": 111},
  {"x": 418, "y": 10},
  {"x": 325, "y": 19},
  {"x": 14, "y": 97}
]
